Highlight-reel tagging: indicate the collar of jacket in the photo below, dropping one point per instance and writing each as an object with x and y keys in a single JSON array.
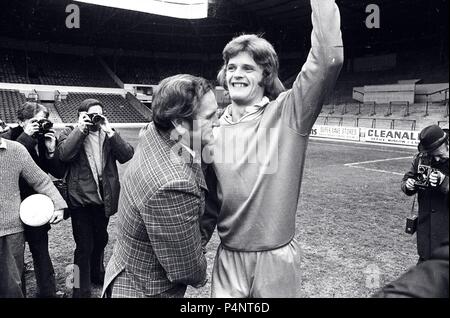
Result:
[{"x": 13, "y": 133}]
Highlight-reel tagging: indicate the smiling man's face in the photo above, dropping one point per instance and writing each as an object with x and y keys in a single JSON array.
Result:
[{"x": 244, "y": 78}]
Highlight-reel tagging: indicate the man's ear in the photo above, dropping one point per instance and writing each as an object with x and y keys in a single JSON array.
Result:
[{"x": 178, "y": 125}]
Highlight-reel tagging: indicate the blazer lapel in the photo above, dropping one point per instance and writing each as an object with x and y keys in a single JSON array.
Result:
[{"x": 199, "y": 176}]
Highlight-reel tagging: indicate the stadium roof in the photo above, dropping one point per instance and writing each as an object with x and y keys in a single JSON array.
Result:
[{"x": 284, "y": 22}]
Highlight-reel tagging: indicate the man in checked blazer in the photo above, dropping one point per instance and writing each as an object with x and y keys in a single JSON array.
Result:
[{"x": 158, "y": 250}]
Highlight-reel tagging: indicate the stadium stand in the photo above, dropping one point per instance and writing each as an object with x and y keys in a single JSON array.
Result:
[
  {"x": 423, "y": 65},
  {"x": 148, "y": 71},
  {"x": 52, "y": 69},
  {"x": 395, "y": 106},
  {"x": 10, "y": 101},
  {"x": 116, "y": 108}
]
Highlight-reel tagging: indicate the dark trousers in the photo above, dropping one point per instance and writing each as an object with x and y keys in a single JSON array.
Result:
[
  {"x": 37, "y": 238},
  {"x": 12, "y": 248},
  {"x": 89, "y": 226}
]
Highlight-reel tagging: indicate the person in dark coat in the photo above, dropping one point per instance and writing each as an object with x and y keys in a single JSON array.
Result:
[
  {"x": 429, "y": 279},
  {"x": 428, "y": 178},
  {"x": 41, "y": 145},
  {"x": 90, "y": 150}
]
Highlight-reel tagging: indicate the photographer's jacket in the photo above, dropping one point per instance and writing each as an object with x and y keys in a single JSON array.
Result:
[
  {"x": 82, "y": 186},
  {"x": 432, "y": 227}
]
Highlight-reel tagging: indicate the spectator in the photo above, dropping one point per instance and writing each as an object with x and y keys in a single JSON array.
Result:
[
  {"x": 41, "y": 145},
  {"x": 15, "y": 163},
  {"x": 428, "y": 279},
  {"x": 428, "y": 178},
  {"x": 91, "y": 150}
]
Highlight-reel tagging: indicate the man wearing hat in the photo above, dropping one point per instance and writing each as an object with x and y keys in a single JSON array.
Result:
[
  {"x": 91, "y": 150},
  {"x": 431, "y": 188}
]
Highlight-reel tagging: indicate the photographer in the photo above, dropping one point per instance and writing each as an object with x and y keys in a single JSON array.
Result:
[
  {"x": 91, "y": 150},
  {"x": 428, "y": 177},
  {"x": 35, "y": 133}
]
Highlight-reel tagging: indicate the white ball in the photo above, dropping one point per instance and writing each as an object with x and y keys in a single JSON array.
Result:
[{"x": 36, "y": 210}]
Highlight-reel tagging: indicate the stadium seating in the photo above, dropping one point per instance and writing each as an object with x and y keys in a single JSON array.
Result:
[
  {"x": 116, "y": 108},
  {"x": 52, "y": 69},
  {"x": 10, "y": 101},
  {"x": 151, "y": 71}
]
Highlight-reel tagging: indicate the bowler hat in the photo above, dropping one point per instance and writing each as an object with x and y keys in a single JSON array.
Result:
[{"x": 431, "y": 138}]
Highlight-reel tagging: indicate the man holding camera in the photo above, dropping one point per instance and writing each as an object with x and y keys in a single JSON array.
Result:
[
  {"x": 428, "y": 178},
  {"x": 36, "y": 134},
  {"x": 91, "y": 150}
]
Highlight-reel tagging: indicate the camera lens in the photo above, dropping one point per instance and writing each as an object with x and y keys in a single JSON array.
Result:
[{"x": 97, "y": 118}]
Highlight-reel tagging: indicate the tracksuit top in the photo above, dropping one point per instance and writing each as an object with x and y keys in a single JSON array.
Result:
[{"x": 258, "y": 161}]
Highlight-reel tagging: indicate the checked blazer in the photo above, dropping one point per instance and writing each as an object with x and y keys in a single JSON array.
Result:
[{"x": 158, "y": 245}]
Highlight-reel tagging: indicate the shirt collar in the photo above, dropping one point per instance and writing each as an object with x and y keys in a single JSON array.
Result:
[
  {"x": 249, "y": 111},
  {"x": 2, "y": 143},
  {"x": 257, "y": 106}
]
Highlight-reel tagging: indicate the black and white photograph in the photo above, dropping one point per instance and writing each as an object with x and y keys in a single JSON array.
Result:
[{"x": 224, "y": 149}]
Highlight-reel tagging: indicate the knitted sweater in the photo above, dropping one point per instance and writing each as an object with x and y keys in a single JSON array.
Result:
[{"x": 15, "y": 162}]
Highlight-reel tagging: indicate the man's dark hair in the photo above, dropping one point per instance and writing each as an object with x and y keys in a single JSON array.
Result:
[
  {"x": 178, "y": 97},
  {"x": 88, "y": 103},
  {"x": 30, "y": 109}
]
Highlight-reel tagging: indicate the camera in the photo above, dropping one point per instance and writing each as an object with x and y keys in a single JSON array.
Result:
[
  {"x": 96, "y": 118},
  {"x": 411, "y": 225},
  {"x": 424, "y": 170},
  {"x": 3, "y": 126},
  {"x": 44, "y": 127}
]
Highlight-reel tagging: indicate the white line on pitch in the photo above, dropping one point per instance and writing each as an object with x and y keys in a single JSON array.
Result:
[
  {"x": 375, "y": 161},
  {"x": 377, "y": 170}
]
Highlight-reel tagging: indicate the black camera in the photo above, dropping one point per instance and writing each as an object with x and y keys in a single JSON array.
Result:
[
  {"x": 44, "y": 127},
  {"x": 96, "y": 118},
  {"x": 3, "y": 126},
  {"x": 424, "y": 171},
  {"x": 411, "y": 225}
]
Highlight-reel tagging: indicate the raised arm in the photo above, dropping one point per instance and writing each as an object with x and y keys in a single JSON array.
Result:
[
  {"x": 318, "y": 76},
  {"x": 172, "y": 221}
]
